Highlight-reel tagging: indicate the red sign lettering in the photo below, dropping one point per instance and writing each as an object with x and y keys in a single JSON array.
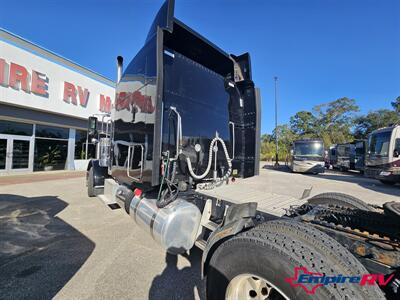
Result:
[
  {"x": 83, "y": 96},
  {"x": 39, "y": 84},
  {"x": 2, "y": 72},
  {"x": 18, "y": 76},
  {"x": 105, "y": 104},
  {"x": 69, "y": 93},
  {"x": 370, "y": 279}
]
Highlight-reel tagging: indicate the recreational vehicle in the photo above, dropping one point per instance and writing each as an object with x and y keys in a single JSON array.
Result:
[
  {"x": 360, "y": 148},
  {"x": 307, "y": 156},
  {"x": 345, "y": 157},
  {"x": 382, "y": 159}
]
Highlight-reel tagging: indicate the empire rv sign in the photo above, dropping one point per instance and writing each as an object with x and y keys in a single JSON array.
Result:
[{"x": 75, "y": 95}]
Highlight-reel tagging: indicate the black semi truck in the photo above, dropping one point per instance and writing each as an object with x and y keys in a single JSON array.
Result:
[{"x": 185, "y": 123}]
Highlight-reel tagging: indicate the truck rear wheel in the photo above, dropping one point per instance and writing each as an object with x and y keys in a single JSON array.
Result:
[
  {"x": 339, "y": 199},
  {"x": 259, "y": 263}
]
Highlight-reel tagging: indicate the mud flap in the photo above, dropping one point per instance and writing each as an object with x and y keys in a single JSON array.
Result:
[{"x": 238, "y": 218}]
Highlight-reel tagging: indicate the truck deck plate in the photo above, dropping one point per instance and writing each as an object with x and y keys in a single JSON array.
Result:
[{"x": 243, "y": 190}]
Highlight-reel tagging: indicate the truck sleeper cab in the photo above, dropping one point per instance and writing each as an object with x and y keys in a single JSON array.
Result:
[
  {"x": 186, "y": 117},
  {"x": 177, "y": 95}
]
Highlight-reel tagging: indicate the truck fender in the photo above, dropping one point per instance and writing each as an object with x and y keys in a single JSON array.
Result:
[
  {"x": 238, "y": 217},
  {"x": 100, "y": 173}
]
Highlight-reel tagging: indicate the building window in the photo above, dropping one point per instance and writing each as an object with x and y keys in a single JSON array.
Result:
[
  {"x": 80, "y": 146},
  {"x": 52, "y": 132},
  {"x": 14, "y": 128},
  {"x": 51, "y": 148}
]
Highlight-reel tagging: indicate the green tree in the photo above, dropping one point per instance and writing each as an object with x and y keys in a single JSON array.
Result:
[
  {"x": 267, "y": 150},
  {"x": 374, "y": 120},
  {"x": 303, "y": 124},
  {"x": 396, "y": 105},
  {"x": 266, "y": 138},
  {"x": 335, "y": 120},
  {"x": 285, "y": 138},
  {"x": 267, "y": 147}
]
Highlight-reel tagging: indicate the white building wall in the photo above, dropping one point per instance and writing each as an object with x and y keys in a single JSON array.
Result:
[
  {"x": 60, "y": 81},
  {"x": 56, "y": 76}
]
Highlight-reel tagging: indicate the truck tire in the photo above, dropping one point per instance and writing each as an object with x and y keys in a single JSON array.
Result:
[
  {"x": 339, "y": 199},
  {"x": 128, "y": 200},
  {"x": 92, "y": 192},
  {"x": 259, "y": 263}
]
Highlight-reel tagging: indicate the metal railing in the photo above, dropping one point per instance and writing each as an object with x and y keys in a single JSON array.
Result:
[{"x": 131, "y": 152}]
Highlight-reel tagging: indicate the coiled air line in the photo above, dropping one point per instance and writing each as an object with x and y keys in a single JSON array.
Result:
[{"x": 228, "y": 159}]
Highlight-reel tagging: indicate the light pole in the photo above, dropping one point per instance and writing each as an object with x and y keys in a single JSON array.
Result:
[{"x": 276, "y": 123}]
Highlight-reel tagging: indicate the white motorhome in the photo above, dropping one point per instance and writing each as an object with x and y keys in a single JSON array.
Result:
[
  {"x": 382, "y": 159},
  {"x": 307, "y": 156}
]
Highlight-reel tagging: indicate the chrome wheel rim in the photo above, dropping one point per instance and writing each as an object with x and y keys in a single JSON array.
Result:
[{"x": 252, "y": 287}]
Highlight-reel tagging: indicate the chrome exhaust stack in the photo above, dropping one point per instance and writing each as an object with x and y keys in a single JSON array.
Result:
[{"x": 120, "y": 62}]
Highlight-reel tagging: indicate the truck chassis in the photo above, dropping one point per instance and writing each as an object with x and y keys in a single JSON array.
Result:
[{"x": 332, "y": 233}]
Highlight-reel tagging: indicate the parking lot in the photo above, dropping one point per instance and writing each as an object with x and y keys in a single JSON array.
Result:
[
  {"x": 57, "y": 242},
  {"x": 283, "y": 182}
]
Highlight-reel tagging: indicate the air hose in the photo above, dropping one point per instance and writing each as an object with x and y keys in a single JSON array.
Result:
[
  {"x": 162, "y": 199},
  {"x": 172, "y": 179},
  {"x": 163, "y": 178},
  {"x": 228, "y": 159}
]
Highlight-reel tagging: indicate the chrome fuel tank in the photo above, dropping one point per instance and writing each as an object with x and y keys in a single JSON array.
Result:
[{"x": 174, "y": 227}]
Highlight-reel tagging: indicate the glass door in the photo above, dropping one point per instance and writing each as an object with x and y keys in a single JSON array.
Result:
[
  {"x": 16, "y": 153},
  {"x": 3, "y": 154},
  {"x": 20, "y": 155}
]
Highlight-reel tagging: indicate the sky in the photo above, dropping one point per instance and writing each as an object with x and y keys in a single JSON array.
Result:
[{"x": 320, "y": 50}]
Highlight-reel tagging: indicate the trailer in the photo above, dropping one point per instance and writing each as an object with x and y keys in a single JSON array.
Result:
[
  {"x": 307, "y": 156},
  {"x": 181, "y": 158},
  {"x": 383, "y": 155}
]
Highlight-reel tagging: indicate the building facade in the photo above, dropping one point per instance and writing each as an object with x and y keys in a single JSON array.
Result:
[{"x": 45, "y": 101}]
